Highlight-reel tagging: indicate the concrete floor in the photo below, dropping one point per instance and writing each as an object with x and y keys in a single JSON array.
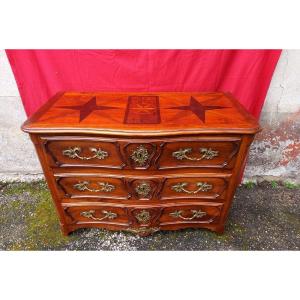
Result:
[{"x": 263, "y": 217}]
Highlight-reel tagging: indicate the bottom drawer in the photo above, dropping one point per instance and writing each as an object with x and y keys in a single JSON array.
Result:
[
  {"x": 189, "y": 214},
  {"x": 96, "y": 214},
  {"x": 137, "y": 215}
]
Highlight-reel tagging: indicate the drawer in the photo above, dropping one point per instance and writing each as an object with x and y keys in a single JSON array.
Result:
[
  {"x": 96, "y": 214},
  {"x": 142, "y": 154},
  {"x": 92, "y": 187},
  {"x": 199, "y": 153},
  {"x": 194, "y": 187},
  {"x": 144, "y": 215},
  {"x": 142, "y": 188},
  {"x": 189, "y": 214},
  {"x": 83, "y": 152}
]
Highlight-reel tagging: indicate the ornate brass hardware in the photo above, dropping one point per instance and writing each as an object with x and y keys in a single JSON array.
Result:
[
  {"x": 207, "y": 153},
  {"x": 202, "y": 187},
  {"x": 75, "y": 151},
  {"x": 143, "y": 230},
  {"x": 140, "y": 155},
  {"x": 196, "y": 214},
  {"x": 105, "y": 187},
  {"x": 107, "y": 215},
  {"x": 143, "y": 216},
  {"x": 143, "y": 189}
]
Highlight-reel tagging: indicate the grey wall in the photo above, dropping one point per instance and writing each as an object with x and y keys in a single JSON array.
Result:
[{"x": 275, "y": 153}]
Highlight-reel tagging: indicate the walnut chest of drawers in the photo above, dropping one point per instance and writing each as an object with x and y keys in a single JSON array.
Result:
[{"x": 142, "y": 162}]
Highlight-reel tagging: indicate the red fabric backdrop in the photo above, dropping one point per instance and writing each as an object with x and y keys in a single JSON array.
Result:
[{"x": 244, "y": 73}]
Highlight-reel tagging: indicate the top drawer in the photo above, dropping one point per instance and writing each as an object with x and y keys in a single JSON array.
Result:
[{"x": 168, "y": 153}]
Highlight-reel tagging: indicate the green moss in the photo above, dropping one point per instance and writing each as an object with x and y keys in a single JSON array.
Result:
[
  {"x": 290, "y": 185},
  {"x": 102, "y": 234},
  {"x": 274, "y": 184},
  {"x": 15, "y": 188},
  {"x": 42, "y": 228},
  {"x": 249, "y": 184}
]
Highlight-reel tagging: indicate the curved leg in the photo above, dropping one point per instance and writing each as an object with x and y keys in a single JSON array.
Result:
[
  {"x": 65, "y": 230},
  {"x": 219, "y": 229}
]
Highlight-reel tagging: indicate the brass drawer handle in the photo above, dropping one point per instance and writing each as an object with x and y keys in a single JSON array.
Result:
[
  {"x": 105, "y": 187},
  {"x": 75, "y": 151},
  {"x": 90, "y": 215},
  {"x": 196, "y": 214},
  {"x": 202, "y": 187},
  {"x": 207, "y": 153}
]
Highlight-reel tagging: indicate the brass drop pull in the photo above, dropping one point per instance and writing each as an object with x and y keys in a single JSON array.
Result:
[
  {"x": 75, "y": 151},
  {"x": 90, "y": 215},
  {"x": 201, "y": 187},
  {"x": 104, "y": 187},
  {"x": 196, "y": 214},
  {"x": 206, "y": 153}
]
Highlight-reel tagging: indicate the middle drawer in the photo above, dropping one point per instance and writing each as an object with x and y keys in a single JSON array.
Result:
[{"x": 130, "y": 187}]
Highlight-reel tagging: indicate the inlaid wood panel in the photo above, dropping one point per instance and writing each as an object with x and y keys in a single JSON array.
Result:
[{"x": 142, "y": 114}]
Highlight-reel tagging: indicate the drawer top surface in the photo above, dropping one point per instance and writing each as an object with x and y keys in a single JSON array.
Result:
[{"x": 142, "y": 114}]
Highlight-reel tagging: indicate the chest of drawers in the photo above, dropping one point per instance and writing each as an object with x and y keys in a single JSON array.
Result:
[{"x": 142, "y": 162}]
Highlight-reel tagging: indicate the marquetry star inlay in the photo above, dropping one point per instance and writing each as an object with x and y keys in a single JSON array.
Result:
[
  {"x": 198, "y": 108},
  {"x": 87, "y": 108}
]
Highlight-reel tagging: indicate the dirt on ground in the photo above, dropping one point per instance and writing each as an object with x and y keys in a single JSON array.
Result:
[{"x": 265, "y": 216}]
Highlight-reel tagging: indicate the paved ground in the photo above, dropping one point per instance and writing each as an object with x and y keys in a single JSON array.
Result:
[{"x": 263, "y": 217}]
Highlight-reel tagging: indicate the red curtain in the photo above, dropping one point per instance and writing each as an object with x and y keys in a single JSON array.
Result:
[{"x": 244, "y": 73}]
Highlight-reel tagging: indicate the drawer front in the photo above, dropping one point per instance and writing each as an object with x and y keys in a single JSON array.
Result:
[
  {"x": 199, "y": 154},
  {"x": 176, "y": 214},
  {"x": 142, "y": 188},
  {"x": 194, "y": 187},
  {"x": 191, "y": 214},
  {"x": 83, "y": 153},
  {"x": 144, "y": 216},
  {"x": 93, "y": 187},
  {"x": 97, "y": 215},
  {"x": 169, "y": 153}
]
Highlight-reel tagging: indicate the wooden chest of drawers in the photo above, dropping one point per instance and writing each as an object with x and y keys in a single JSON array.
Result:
[{"x": 142, "y": 162}]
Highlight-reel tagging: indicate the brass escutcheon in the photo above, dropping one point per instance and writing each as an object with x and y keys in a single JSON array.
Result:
[{"x": 140, "y": 155}]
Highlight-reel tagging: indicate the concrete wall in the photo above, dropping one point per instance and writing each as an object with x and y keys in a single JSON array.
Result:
[
  {"x": 274, "y": 154},
  {"x": 18, "y": 160},
  {"x": 276, "y": 150}
]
